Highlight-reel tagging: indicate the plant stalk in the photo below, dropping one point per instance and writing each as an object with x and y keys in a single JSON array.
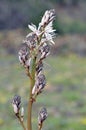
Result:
[
  {"x": 30, "y": 102},
  {"x": 21, "y": 122},
  {"x": 40, "y": 126}
]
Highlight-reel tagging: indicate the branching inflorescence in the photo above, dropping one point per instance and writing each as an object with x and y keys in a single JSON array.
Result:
[{"x": 35, "y": 48}]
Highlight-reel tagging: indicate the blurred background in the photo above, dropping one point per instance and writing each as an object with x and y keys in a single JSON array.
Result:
[{"x": 65, "y": 69}]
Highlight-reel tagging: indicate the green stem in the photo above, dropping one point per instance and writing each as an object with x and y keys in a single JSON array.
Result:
[
  {"x": 21, "y": 122},
  {"x": 32, "y": 82}
]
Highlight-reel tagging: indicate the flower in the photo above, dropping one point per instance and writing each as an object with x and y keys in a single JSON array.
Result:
[
  {"x": 49, "y": 33},
  {"x": 34, "y": 29},
  {"x": 47, "y": 18},
  {"x": 46, "y": 25},
  {"x": 39, "y": 84},
  {"x": 45, "y": 28},
  {"x": 42, "y": 115},
  {"x": 16, "y": 103}
]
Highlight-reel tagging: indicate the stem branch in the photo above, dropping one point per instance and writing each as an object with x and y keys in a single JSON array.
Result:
[
  {"x": 40, "y": 126},
  {"x": 21, "y": 122}
]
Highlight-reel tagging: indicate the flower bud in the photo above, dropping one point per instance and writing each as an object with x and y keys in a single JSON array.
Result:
[
  {"x": 39, "y": 67},
  {"x": 23, "y": 54},
  {"x": 22, "y": 113},
  {"x": 44, "y": 50},
  {"x": 16, "y": 103},
  {"x": 42, "y": 115},
  {"x": 47, "y": 18},
  {"x": 51, "y": 15},
  {"x": 27, "y": 63},
  {"x": 31, "y": 40},
  {"x": 39, "y": 84}
]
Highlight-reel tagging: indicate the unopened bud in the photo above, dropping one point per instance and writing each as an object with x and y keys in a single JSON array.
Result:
[
  {"x": 27, "y": 63},
  {"x": 42, "y": 115},
  {"x": 39, "y": 84},
  {"x": 23, "y": 54},
  {"x": 16, "y": 104},
  {"x": 22, "y": 113},
  {"x": 39, "y": 67},
  {"x": 31, "y": 40},
  {"x": 45, "y": 51}
]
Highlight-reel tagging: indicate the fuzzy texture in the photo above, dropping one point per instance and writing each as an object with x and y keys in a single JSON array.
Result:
[
  {"x": 16, "y": 102},
  {"x": 42, "y": 115}
]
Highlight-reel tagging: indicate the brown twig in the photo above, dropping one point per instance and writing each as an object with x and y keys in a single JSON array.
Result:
[{"x": 40, "y": 126}]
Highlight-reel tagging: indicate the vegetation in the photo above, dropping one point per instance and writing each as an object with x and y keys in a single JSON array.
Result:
[{"x": 66, "y": 101}]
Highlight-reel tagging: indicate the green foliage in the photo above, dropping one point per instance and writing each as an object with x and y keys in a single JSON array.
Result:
[{"x": 74, "y": 27}]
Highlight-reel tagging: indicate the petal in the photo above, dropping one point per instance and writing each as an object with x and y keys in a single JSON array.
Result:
[{"x": 32, "y": 27}]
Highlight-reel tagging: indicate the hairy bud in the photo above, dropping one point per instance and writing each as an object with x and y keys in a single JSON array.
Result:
[
  {"x": 44, "y": 50},
  {"x": 16, "y": 103},
  {"x": 39, "y": 85},
  {"x": 39, "y": 67},
  {"x": 42, "y": 115},
  {"x": 23, "y": 55},
  {"x": 31, "y": 40}
]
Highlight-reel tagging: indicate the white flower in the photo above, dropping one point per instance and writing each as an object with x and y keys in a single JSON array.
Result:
[
  {"x": 44, "y": 18},
  {"x": 45, "y": 28},
  {"x": 47, "y": 18},
  {"x": 34, "y": 29},
  {"x": 49, "y": 33}
]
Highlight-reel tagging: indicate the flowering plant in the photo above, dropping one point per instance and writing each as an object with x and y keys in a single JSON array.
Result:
[{"x": 35, "y": 48}]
